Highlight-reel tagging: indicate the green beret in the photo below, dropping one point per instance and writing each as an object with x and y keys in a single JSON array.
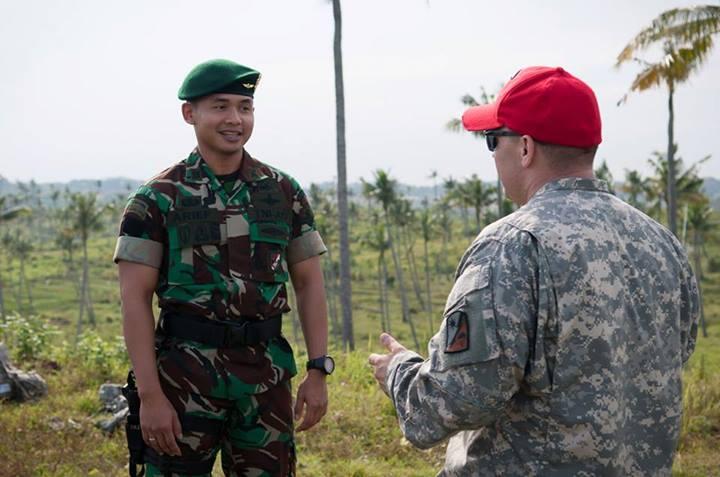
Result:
[{"x": 219, "y": 76}]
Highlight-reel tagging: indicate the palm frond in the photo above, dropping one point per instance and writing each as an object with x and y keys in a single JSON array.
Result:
[
  {"x": 454, "y": 125},
  {"x": 469, "y": 101},
  {"x": 679, "y": 26}
]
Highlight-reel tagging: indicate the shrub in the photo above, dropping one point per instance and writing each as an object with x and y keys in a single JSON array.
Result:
[
  {"x": 103, "y": 356},
  {"x": 28, "y": 338}
]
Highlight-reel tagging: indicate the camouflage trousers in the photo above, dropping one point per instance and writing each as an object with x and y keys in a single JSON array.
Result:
[{"x": 248, "y": 389}]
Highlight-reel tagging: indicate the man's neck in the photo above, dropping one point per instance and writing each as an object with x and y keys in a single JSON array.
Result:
[
  {"x": 536, "y": 183},
  {"x": 222, "y": 164}
]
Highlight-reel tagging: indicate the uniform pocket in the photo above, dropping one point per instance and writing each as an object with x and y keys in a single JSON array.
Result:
[
  {"x": 194, "y": 246},
  {"x": 468, "y": 331},
  {"x": 268, "y": 244}
]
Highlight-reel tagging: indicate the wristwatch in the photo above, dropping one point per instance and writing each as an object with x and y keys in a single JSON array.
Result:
[{"x": 324, "y": 363}]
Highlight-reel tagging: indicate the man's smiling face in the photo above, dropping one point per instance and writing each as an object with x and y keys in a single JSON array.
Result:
[{"x": 223, "y": 122}]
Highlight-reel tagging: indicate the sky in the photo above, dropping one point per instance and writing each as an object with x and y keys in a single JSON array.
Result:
[{"x": 89, "y": 88}]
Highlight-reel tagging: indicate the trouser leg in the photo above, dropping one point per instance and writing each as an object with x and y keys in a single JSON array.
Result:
[{"x": 259, "y": 441}]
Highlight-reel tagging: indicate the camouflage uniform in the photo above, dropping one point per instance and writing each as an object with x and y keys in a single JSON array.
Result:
[
  {"x": 562, "y": 344},
  {"x": 223, "y": 254}
]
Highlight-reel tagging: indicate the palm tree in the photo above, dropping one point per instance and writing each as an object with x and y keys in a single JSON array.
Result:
[
  {"x": 326, "y": 223},
  {"x": 7, "y": 214},
  {"x": 441, "y": 212},
  {"x": 384, "y": 190},
  {"x": 376, "y": 239},
  {"x": 455, "y": 125},
  {"x": 19, "y": 246},
  {"x": 450, "y": 186},
  {"x": 86, "y": 217},
  {"x": 405, "y": 219},
  {"x": 603, "y": 173},
  {"x": 686, "y": 38},
  {"x": 22, "y": 247},
  {"x": 434, "y": 175},
  {"x": 478, "y": 195},
  {"x": 686, "y": 182},
  {"x": 342, "y": 192},
  {"x": 699, "y": 215},
  {"x": 426, "y": 227},
  {"x": 634, "y": 186}
]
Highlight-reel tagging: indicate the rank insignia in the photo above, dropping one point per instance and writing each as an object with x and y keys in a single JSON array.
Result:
[{"x": 457, "y": 333}]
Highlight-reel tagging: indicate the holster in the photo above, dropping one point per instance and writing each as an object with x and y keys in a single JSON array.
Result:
[
  {"x": 140, "y": 454},
  {"x": 135, "y": 442}
]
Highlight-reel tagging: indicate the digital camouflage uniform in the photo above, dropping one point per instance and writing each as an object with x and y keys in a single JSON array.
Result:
[
  {"x": 561, "y": 347},
  {"x": 225, "y": 256}
]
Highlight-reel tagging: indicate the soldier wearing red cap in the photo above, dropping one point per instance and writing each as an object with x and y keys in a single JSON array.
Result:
[{"x": 565, "y": 333}]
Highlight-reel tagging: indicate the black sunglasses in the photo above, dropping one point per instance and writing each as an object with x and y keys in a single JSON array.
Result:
[{"x": 491, "y": 137}]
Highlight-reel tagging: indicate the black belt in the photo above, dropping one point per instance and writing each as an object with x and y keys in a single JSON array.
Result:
[{"x": 221, "y": 334}]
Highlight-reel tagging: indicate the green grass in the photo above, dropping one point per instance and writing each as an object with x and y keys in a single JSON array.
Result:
[{"x": 358, "y": 437}]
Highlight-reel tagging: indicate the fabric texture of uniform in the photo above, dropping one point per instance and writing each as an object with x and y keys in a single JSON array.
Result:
[
  {"x": 580, "y": 312},
  {"x": 223, "y": 253},
  {"x": 222, "y": 256}
]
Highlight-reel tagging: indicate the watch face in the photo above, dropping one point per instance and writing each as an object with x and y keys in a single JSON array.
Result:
[{"x": 329, "y": 365}]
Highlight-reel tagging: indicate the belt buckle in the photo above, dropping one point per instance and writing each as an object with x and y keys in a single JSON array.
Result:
[{"x": 235, "y": 335}]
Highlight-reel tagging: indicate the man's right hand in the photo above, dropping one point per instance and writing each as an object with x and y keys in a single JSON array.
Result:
[{"x": 159, "y": 424}]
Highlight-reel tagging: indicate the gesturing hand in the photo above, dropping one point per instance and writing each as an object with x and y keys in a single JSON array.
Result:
[{"x": 380, "y": 362}]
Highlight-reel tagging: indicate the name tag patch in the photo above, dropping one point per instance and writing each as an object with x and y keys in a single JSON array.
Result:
[{"x": 196, "y": 226}]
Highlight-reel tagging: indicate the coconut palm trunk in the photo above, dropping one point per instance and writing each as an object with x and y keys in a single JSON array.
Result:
[
  {"x": 384, "y": 294},
  {"x": 697, "y": 258},
  {"x": 412, "y": 265},
  {"x": 331, "y": 282},
  {"x": 21, "y": 285},
  {"x": 28, "y": 291},
  {"x": 345, "y": 286},
  {"x": 86, "y": 286},
  {"x": 381, "y": 294},
  {"x": 672, "y": 196},
  {"x": 431, "y": 325},
  {"x": 401, "y": 282}
]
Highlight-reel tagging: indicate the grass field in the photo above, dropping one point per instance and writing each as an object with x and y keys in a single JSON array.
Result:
[{"x": 359, "y": 436}]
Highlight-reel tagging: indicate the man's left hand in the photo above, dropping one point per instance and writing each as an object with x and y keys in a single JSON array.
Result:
[
  {"x": 312, "y": 398},
  {"x": 380, "y": 362}
]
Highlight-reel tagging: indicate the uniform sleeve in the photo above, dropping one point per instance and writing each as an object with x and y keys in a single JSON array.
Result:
[
  {"x": 689, "y": 309},
  {"x": 477, "y": 360},
  {"x": 142, "y": 231},
  {"x": 305, "y": 241}
]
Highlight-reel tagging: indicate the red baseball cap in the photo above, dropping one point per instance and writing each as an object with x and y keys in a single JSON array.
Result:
[{"x": 548, "y": 104}]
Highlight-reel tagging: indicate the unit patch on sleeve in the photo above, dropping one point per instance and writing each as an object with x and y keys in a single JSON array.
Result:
[{"x": 457, "y": 333}]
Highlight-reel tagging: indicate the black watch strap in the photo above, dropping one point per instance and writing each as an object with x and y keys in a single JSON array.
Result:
[{"x": 323, "y": 363}]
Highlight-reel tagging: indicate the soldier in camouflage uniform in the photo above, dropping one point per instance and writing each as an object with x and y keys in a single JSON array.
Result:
[
  {"x": 216, "y": 237},
  {"x": 565, "y": 333}
]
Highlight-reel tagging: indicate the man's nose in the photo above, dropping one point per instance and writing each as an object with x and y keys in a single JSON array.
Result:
[{"x": 234, "y": 117}]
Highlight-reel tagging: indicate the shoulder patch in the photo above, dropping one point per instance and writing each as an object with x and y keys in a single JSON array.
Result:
[
  {"x": 457, "y": 333},
  {"x": 138, "y": 206}
]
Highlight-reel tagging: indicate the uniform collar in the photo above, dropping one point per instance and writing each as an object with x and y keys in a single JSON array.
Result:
[
  {"x": 198, "y": 172},
  {"x": 252, "y": 170},
  {"x": 573, "y": 183}
]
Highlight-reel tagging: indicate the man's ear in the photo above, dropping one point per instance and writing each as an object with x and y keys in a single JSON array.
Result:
[
  {"x": 187, "y": 113},
  {"x": 528, "y": 152}
]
